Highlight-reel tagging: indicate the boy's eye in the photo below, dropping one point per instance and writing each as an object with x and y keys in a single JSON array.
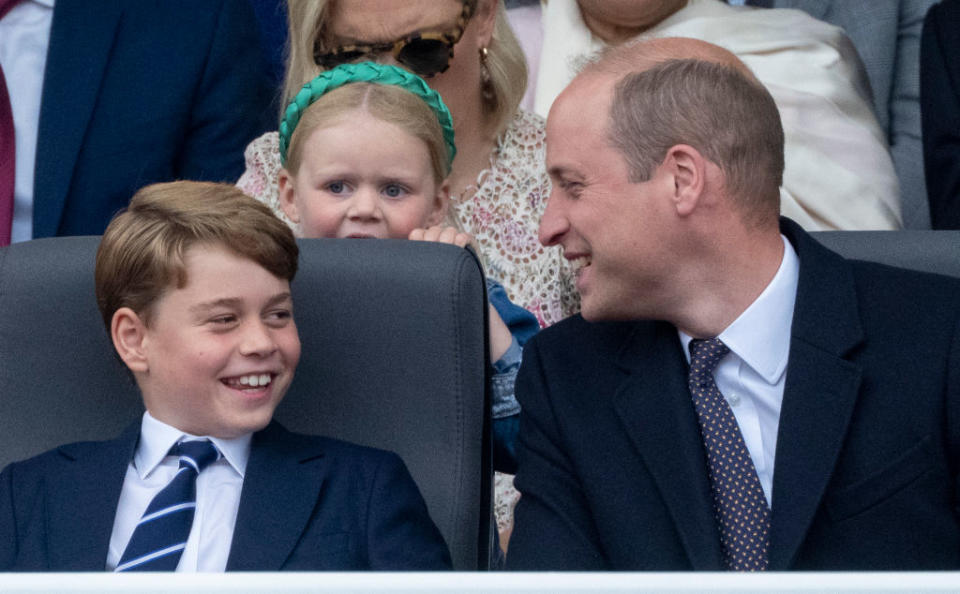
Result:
[
  {"x": 394, "y": 190},
  {"x": 279, "y": 316}
]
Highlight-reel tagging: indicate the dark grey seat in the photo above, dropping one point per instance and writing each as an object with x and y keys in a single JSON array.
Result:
[
  {"x": 924, "y": 250},
  {"x": 394, "y": 356}
]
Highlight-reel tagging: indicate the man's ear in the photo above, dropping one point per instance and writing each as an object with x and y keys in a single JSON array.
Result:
[
  {"x": 287, "y": 195},
  {"x": 128, "y": 332},
  {"x": 688, "y": 169},
  {"x": 441, "y": 202},
  {"x": 486, "y": 19}
]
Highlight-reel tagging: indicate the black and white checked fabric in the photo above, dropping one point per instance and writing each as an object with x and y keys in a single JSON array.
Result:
[
  {"x": 161, "y": 535},
  {"x": 741, "y": 509}
]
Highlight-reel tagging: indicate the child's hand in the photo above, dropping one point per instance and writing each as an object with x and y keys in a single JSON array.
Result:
[{"x": 441, "y": 234}]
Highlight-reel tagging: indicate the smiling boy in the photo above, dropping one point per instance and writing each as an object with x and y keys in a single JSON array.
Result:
[{"x": 193, "y": 283}]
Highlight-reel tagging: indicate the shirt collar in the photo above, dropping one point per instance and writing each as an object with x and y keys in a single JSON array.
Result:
[
  {"x": 760, "y": 336},
  {"x": 157, "y": 437}
]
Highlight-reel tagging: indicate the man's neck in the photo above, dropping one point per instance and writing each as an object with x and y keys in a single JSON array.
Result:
[{"x": 727, "y": 285}]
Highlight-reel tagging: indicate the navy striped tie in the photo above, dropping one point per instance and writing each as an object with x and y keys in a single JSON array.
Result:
[
  {"x": 161, "y": 535},
  {"x": 740, "y": 506}
]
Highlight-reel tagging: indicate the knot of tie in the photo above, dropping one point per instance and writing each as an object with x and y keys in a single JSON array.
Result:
[
  {"x": 705, "y": 355},
  {"x": 196, "y": 454}
]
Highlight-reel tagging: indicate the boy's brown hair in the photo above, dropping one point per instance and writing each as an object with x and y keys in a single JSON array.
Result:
[{"x": 141, "y": 252}]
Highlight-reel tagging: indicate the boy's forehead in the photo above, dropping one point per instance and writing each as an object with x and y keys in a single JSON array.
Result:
[{"x": 212, "y": 275}]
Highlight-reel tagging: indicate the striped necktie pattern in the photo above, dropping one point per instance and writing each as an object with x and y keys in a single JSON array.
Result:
[{"x": 161, "y": 535}]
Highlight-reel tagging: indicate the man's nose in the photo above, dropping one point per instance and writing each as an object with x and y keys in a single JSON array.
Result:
[{"x": 553, "y": 223}]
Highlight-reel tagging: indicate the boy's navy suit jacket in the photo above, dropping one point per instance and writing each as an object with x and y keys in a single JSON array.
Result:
[
  {"x": 611, "y": 465},
  {"x": 308, "y": 503}
]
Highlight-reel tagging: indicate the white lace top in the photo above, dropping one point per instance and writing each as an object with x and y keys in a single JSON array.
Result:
[{"x": 502, "y": 211}]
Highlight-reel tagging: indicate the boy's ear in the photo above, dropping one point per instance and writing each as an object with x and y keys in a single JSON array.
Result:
[
  {"x": 287, "y": 202},
  {"x": 441, "y": 203},
  {"x": 128, "y": 331}
]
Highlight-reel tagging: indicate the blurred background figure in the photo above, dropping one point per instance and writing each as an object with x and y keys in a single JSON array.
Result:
[
  {"x": 886, "y": 34},
  {"x": 940, "y": 100},
  {"x": 106, "y": 97}
]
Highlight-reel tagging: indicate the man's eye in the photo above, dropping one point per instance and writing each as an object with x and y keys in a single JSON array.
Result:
[
  {"x": 223, "y": 320},
  {"x": 572, "y": 188},
  {"x": 394, "y": 190}
]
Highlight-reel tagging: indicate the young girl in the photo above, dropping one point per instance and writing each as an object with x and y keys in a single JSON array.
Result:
[{"x": 367, "y": 149}]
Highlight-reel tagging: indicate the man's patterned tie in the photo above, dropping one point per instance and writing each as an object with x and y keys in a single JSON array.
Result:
[
  {"x": 741, "y": 509},
  {"x": 161, "y": 535}
]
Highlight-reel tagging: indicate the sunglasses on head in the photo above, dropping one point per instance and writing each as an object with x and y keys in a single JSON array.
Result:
[{"x": 425, "y": 54}]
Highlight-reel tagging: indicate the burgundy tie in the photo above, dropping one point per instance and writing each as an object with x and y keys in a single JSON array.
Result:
[{"x": 8, "y": 149}]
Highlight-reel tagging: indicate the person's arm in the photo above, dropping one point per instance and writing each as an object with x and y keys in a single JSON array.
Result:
[
  {"x": 400, "y": 534},
  {"x": 553, "y": 526},
  {"x": 232, "y": 100},
  {"x": 513, "y": 326},
  {"x": 940, "y": 98}
]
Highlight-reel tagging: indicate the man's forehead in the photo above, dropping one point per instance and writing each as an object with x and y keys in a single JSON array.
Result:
[{"x": 583, "y": 106}]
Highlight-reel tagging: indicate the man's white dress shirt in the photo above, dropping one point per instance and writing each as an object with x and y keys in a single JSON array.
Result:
[
  {"x": 218, "y": 495},
  {"x": 751, "y": 377}
]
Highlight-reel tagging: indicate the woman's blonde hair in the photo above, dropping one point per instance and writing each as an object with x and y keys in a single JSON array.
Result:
[
  {"x": 387, "y": 103},
  {"x": 505, "y": 61}
]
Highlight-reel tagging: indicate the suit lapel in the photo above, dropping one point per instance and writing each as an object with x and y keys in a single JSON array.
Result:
[
  {"x": 281, "y": 487},
  {"x": 81, "y": 505},
  {"x": 819, "y": 395},
  {"x": 81, "y": 36},
  {"x": 655, "y": 407}
]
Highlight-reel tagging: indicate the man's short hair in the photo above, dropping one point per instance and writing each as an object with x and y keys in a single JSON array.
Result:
[
  {"x": 731, "y": 119},
  {"x": 141, "y": 254}
]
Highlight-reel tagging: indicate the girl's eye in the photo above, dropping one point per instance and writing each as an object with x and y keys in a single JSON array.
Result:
[
  {"x": 394, "y": 190},
  {"x": 336, "y": 187}
]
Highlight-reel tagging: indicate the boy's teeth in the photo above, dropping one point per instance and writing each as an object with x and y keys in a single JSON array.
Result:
[{"x": 254, "y": 380}]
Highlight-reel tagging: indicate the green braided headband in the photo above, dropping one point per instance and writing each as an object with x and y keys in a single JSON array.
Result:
[{"x": 383, "y": 74}]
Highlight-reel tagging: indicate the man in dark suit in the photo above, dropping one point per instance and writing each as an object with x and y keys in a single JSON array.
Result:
[
  {"x": 734, "y": 396},
  {"x": 193, "y": 284},
  {"x": 133, "y": 93},
  {"x": 940, "y": 103}
]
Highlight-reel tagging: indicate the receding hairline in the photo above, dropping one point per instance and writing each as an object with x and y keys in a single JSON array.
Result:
[{"x": 632, "y": 58}]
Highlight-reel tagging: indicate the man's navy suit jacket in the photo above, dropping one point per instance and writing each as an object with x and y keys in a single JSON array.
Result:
[
  {"x": 307, "y": 503},
  {"x": 612, "y": 469},
  {"x": 142, "y": 91}
]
